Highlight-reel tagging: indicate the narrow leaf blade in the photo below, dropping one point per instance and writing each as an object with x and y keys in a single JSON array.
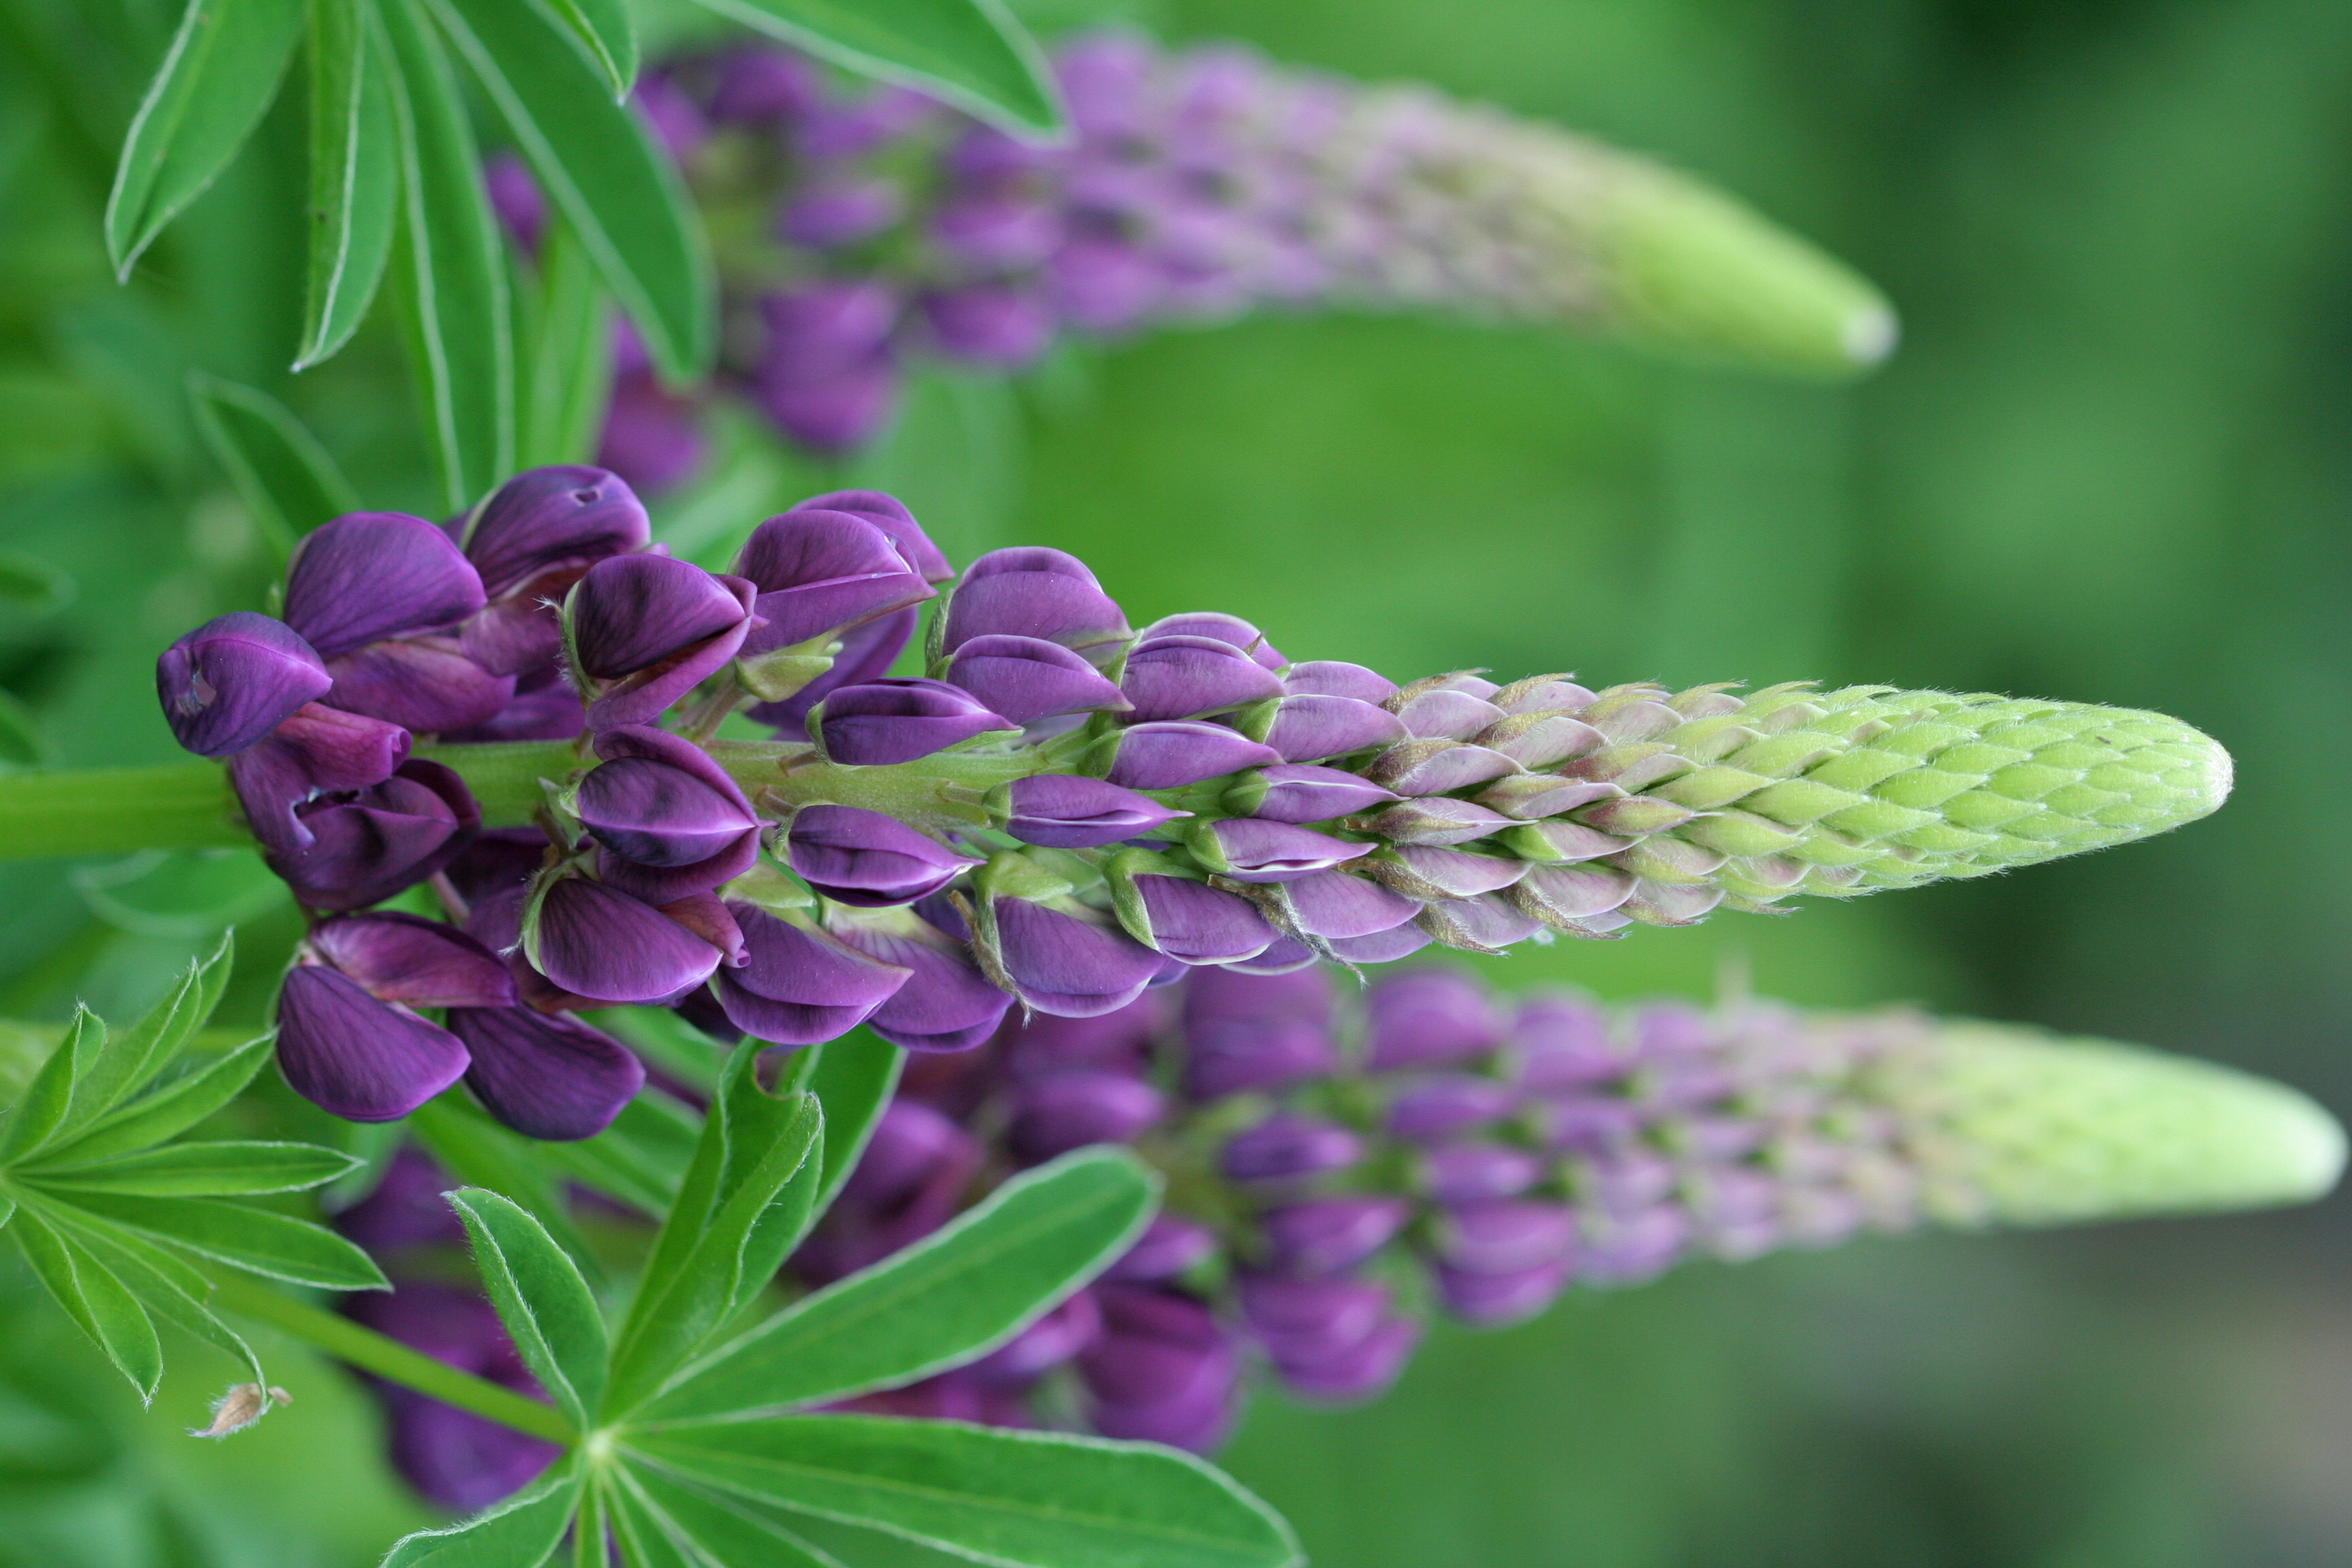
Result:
[
  {"x": 163, "y": 1284},
  {"x": 541, "y": 1298},
  {"x": 171, "y": 1107},
  {"x": 256, "y": 1240},
  {"x": 603, "y": 26},
  {"x": 481, "y": 1154},
  {"x": 49, "y": 1096},
  {"x": 659, "y": 1510},
  {"x": 131, "y": 1059},
  {"x": 1037, "y": 1498},
  {"x": 200, "y": 1171},
  {"x": 448, "y": 267},
  {"x": 101, "y": 1305},
  {"x": 521, "y": 1532},
  {"x": 970, "y": 53},
  {"x": 953, "y": 1296},
  {"x": 283, "y": 475},
  {"x": 354, "y": 180},
  {"x": 219, "y": 76},
  {"x": 600, "y": 167},
  {"x": 568, "y": 343}
]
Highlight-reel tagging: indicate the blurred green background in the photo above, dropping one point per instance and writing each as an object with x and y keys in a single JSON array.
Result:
[{"x": 2112, "y": 461}]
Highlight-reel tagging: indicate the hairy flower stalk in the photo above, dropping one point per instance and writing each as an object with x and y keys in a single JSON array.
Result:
[
  {"x": 1344, "y": 1166},
  {"x": 858, "y": 227},
  {"x": 1059, "y": 810}
]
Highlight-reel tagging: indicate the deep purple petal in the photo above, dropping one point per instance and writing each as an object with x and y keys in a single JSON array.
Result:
[
  {"x": 1252, "y": 849},
  {"x": 867, "y": 858},
  {"x": 366, "y": 846},
  {"x": 821, "y": 571},
  {"x": 418, "y": 683},
  {"x": 1062, "y": 811},
  {"x": 552, "y": 518},
  {"x": 318, "y": 748},
  {"x": 1172, "y": 754},
  {"x": 802, "y": 986},
  {"x": 227, "y": 684},
  {"x": 373, "y": 575},
  {"x": 632, "y": 611},
  {"x": 1337, "y": 904},
  {"x": 356, "y": 1058},
  {"x": 597, "y": 942},
  {"x": 1196, "y": 923},
  {"x": 1303, "y": 791},
  {"x": 546, "y": 1075},
  {"x": 1035, "y": 593},
  {"x": 1310, "y": 727},
  {"x": 945, "y": 1005},
  {"x": 420, "y": 962},
  {"x": 1230, "y": 629},
  {"x": 1324, "y": 1236},
  {"x": 1068, "y": 965},
  {"x": 887, "y": 721},
  {"x": 868, "y": 652},
  {"x": 890, "y": 514},
  {"x": 1028, "y": 679},
  {"x": 1184, "y": 676}
]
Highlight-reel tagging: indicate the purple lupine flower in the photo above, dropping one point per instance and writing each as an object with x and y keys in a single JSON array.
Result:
[
  {"x": 1068, "y": 963},
  {"x": 1327, "y": 1236},
  {"x": 1027, "y": 679},
  {"x": 671, "y": 821},
  {"x": 1302, "y": 792},
  {"x": 1187, "y": 676},
  {"x": 545, "y": 1075},
  {"x": 1421, "y": 1019},
  {"x": 1342, "y": 905},
  {"x": 454, "y": 1458},
  {"x": 1162, "y": 1368},
  {"x": 1248, "y": 1032},
  {"x": 1252, "y": 849},
  {"x": 867, "y": 859},
  {"x": 1066, "y": 1111},
  {"x": 406, "y": 1209},
  {"x": 1061, "y": 811},
  {"x": 887, "y": 722},
  {"x": 1231, "y": 630},
  {"x": 1285, "y": 1147},
  {"x": 348, "y": 1039},
  {"x": 841, "y": 212},
  {"x": 1312, "y": 728},
  {"x": 821, "y": 569},
  {"x": 1177, "y": 913},
  {"x": 545, "y": 707},
  {"x": 1334, "y": 678},
  {"x": 889, "y": 513},
  {"x": 516, "y": 199},
  {"x": 365, "y": 845},
  {"x": 1471, "y": 1172},
  {"x": 369, "y": 575},
  {"x": 800, "y": 985},
  {"x": 1331, "y": 1339},
  {"x": 1169, "y": 754},
  {"x": 540, "y": 531},
  {"x": 1444, "y": 1106},
  {"x": 989, "y": 324},
  {"x": 598, "y": 942},
  {"x": 646, "y": 629},
  {"x": 826, "y": 375},
  {"x": 945, "y": 1003},
  {"x": 1035, "y": 593},
  {"x": 227, "y": 684},
  {"x": 760, "y": 85},
  {"x": 315, "y": 750},
  {"x": 652, "y": 437}
]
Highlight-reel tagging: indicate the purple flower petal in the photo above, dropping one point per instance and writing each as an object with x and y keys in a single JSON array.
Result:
[
  {"x": 989, "y": 324},
  {"x": 821, "y": 569},
  {"x": 1195, "y": 923},
  {"x": 1185, "y": 677},
  {"x": 1324, "y": 1235},
  {"x": 867, "y": 859},
  {"x": 1285, "y": 1147},
  {"x": 419, "y": 963},
  {"x": 552, "y": 518},
  {"x": 1331, "y": 678},
  {"x": 1506, "y": 1235},
  {"x": 1379, "y": 946},
  {"x": 366, "y": 846},
  {"x": 418, "y": 683},
  {"x": 631, "y": 613},
  {"x": 802, "y": 986},
  {"x": 1231, "y": 630},
  {"x": 1251, "y": 849},
  {"x": 1068, "y": 965},
  {"x": 889, "y": 513},
  {"x": 317, "y": 749},
  {"x": 1071, "y": 1110},
  {"x": 1035, "y": 593},
  {"x": 887, "y": 721},
  {"x": 1062, "y": 811},
  {"x": 1337, "y": 904},
  {"x": 1439, "y": 1107},
  {"x": 660, "y": 801},
  {"x": 1310, "y": 727},
  {"x": 1173, "y": 753},
  {"x": 374, "y": 575},
  {"x": 945, "y": 1003},
  {"x": 597, "y": 942},
  {"x": 546, "y": 1075},
  {"x": 1435, "y": 1016},
  {"x": 1491, "y": 1300},
  {"x": 227, "y": 684},
  {"x": 1302, "y": 792},
  {"x": 356, "y": 1058},
  {"x": 1028, "y": 679}
]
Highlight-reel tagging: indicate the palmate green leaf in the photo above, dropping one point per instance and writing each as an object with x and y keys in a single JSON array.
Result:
[
  {"x": 101, "y": 1305},
  {"x": 198, "y": 1170},
  {"x": 131, "y": 1059},
  {"x": 284, "y": 477},
  {"x": 256, "y": 1240},
  {"x": 567, "y": 336},
  {"x": 215, "y": 80},
  {"x": 541, "y": 1298},
  {"x": 448, "y": 270},
  {"x": 600, "y": 168},
  {"x": 970, "y": 53},
  {"x": 948, "y": 1298},
  {"x": 165, "y": 1286},
  {"x": 170, "y": 1108},
  {"x": 1039, "y": 1500},
  {"x": 745, "y": 1202},
  {"x": 481, "y": 1154},
  {"x": 354, "y": 181},
  {"x": 663, "y": 1524},
  {"x": 49, "y": 1096},
  {"x": 852, "y": 1079},
  {"x": 521, "y": 1532},
  {"x": 603, "y": 28}
]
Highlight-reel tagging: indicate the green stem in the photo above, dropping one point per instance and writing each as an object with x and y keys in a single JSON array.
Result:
[
  {"x": 112, "y": 811},
  {"x": 372, "y": 1352}
]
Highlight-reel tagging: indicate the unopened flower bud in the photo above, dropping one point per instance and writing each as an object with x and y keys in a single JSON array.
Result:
[
  {"x": 1252, "y": 849},
  {"x": 1062, "y": 811},
  {"x": 673, "y": 818},
  {"x": 231, "y": 682},
  {"x": 887, "y": 722},
  {"x": 368, "y": 575},
  {"x": 1436, "y": 819},
  {"x": 1173, "y": 910},
  {"x": 867, "y": 859},
  {"x": 551, "y": 520},
  {"x": 821, "y": 570},
  {"x": 1302, "y": 792},
  {"x": 1028, "y": 679},
  {"x": 1033, "y": 593},
  {"x": 801, "y": 986},
  {"x": 596, "y": 942},
  {"x": 648, "y": 629},
  {"x": 1172, "y": 753},
  {"x": 545, "y": 1075},
  {"x": 1312, "y": 727}
]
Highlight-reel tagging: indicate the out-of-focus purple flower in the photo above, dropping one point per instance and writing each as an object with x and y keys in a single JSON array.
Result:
[
  {"x": 1471, "y": 1172},
  {"x": 1419, "y": 1019},
  {"x": 820, "y": 570},
  {"x": 1070, "y": 1109},
  {"x": 998, "y": 229},
  {"x": 867, "y": 859},
  {"x": 802, "y": 985},
  {"x": 1168, "y": 1247},
  {"x": 1172, "y": 754},
  {"x": 758, "y": 86},
  {"x": 1247, "y": 1032},
  {"x": 651, "y": 437},
  {"x": 516, "y": 199},
  {"x": 1102, "y": 285},
  {"x": 887, "y": 722},
  {"x": 1440, "y": 1106},
  {"x": 546, "y": 1075},
  {"x": 1506, "y": 1235},
  {"x": 906, "y": 1185},
  {"x": 368, "y": 575},
  {"x": 673, "y": 820},
  {"x": 1062, "y": 811},
  {"x": 406, "y": 1209},
  {"x": 1494, "y": 1300},
  {"x": 648, "y": 629},
  {"x": 945, "y": 1003},
  {"x": 1161, "y": 1370},
  {"x": 1070, "y": 964},
  {"x": 841, "y": 211},
  {"x": 1285, "y": 1147},
  {"x": 1027, "y": 679},
  {"x": 597, "y": 942},
  {"x": 1325, "y": 1236},
  {"x": 364, "y": 845},
  {"x": 675, "y": 119},
  {"x": 1033, "y": 592},
  {"x": 826, "y": 375},
  {"x": 1185, "y": 677},
  {"x": 227, "y": 684},
  {"x": 989, "y": 324},
  {"x": 457, "y": 1459}
]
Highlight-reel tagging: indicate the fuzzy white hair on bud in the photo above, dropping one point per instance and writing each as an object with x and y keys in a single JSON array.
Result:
[{"x": 240, "y": 1407}]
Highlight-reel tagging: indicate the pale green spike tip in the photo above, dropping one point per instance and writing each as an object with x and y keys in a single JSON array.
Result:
[
  {"x": 1694, "y": 271},
  {"x": 2048, "y": 1131}
]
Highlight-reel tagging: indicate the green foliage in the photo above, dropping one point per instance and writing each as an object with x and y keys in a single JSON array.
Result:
[
  {"x": 283, "y": 475},
  {"x": 104, "y": 1209},
  {"x": 970, "y": 53},
  {"x": 353, "y": 179}
]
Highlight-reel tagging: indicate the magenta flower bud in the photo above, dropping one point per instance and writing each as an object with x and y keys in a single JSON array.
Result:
[
  {"x": 1169, "y": 754},
  {"x": 1252, "y": 849},
  {"x": 1035, "y": 593},
  {"x": 1332, "y": 677},
  {"x": 1325, "y": 1236},
  {"x": 369, "y": 575},
  {"x": 867, "y": 859},
  {"x": 1287, "y": 1147},
  {"x": 840, "y": 211},
  {"x": 1379, "y": 946},
  {"x": 1186, "y": 918},
  {"x": 598, "y": 942},
  {"x": 1435, "y": 1015},
  {"x": 1068, "y": 964},
  {"x": 563, "y": 518},
  {"x": 1447, "y": 715},
  {"x": 1337, "y": 904},
  {"x": 1028, "y": 679},
  {"x": 1217, "y": 626},
  {"x": 1168, "y": 1247},
  {"x": 887, "y": 722},
  {"x": 1439, "y": 820},
  {"x": 1310, "y": 727},
  {"x": 758, "y": 86},
  {"x": 673, "y": 820},
  {"x": 364, "y": 845},
  {"x": 1474, "y": 1173},
  {"x": 989, "y": 324},
  {"x": 231, "y": 682},
  {"x": 821, "y": 571},
  {"x": 1070, "y": 1109},
  {"x": 1000, "y": 230},
  {"x": 355, "y": 1057},
  {"x": 546, "y": 1075},
  {"x": 1494, "y": 1300},
  {"x": 945, "y": 1003},
  {"x": 1185, "y": 677},
  {"x": 1505, "y": 1236},
  {"x": 801, "y": 986},
  {"x": 1244, "y": 1032},
  {"x": 1302, "y": 792},
  {"x": 655, "y": 626},
  {"x": 418, "y": 683},
  {"x": 1062, "y": 811},
  {"x": 1439, "y": 1107},
  {"x": 414, "y": 961}
]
